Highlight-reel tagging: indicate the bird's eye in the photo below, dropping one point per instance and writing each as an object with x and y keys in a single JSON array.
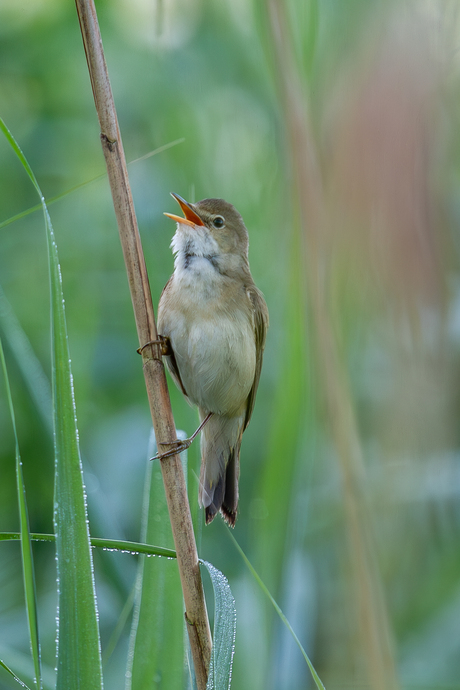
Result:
[{"x": 218, "y": 222}]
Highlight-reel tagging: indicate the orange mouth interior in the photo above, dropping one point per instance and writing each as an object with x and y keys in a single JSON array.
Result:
[{"x": 191, "y": 218}]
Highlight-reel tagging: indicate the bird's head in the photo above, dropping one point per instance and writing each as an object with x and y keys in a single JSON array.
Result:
[{"x": 211, "y": 228}]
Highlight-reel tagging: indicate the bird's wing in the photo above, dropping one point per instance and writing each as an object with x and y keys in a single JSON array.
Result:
[
  {"x": 170, "y": 357},
  {"x": 260, "y": 314},
  {"x": 174, "y": 371}
]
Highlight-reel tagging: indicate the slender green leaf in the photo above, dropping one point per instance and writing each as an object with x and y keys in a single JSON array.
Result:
[
  {"x": 132, "y": 547},
  {"x": 156, "y": 655},
  {"x": 263, "y": 587},
  {"x": 223, "y": 639},
  {"x": 292, "y": 417},
  {"x": 58, "y": 197},
  {"x": 26, "y": 544},
  {"x": 3, "y": 665},
  {"x": 27, "y": 361},
  {"x": 79, "y": 656},
  {"x": 119, "y": 628}
]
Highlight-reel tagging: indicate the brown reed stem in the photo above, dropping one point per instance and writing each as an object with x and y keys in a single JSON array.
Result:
[{"x": 155, "y": 379}]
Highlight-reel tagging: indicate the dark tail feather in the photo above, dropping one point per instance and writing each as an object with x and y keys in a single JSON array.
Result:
[
  {"x": 229, "y": 507},
  {"x": 213, "y": 508},
  {"x": 225, "y": 496}
]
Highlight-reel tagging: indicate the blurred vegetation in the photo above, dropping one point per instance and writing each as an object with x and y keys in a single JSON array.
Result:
[{"x": 350, "y": 474}]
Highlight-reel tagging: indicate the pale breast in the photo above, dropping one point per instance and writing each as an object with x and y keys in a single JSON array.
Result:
[{"x": 212, "y": 335}]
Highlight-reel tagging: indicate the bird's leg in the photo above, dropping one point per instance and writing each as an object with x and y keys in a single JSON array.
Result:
[{"x": 178, "y": 445}]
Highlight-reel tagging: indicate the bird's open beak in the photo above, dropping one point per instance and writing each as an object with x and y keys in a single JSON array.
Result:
[{"x": 191, "y": 218}]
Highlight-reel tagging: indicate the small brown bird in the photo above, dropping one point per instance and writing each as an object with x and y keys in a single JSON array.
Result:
[{"x": 215, "y": 321}]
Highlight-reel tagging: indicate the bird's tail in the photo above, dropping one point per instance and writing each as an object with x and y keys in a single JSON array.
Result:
[{"x": 220, "y": 467}]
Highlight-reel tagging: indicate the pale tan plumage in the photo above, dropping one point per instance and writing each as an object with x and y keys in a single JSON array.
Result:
[{"x": 216, "y": 320}]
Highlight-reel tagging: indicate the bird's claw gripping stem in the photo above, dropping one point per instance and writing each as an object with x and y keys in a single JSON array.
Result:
[
  {"x": 180, "y": 445},
  {"x": 165, "y": 345}
]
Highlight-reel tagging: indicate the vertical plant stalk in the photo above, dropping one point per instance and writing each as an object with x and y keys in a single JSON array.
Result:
[
  {"x": 309, "y": 198},
  {"x": 26, "y": 542},
  {"x": 77, "y": 616},
  {"x": 155, "y": 379}
]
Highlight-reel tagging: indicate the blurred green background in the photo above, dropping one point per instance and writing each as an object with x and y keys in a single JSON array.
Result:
[{"x": 332, "y": 127}]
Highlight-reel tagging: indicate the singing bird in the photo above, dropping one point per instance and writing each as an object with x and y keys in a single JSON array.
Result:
[{"x": 214, "y": 320}]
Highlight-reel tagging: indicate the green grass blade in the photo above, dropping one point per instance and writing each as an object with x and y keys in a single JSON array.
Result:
[
  {"x": 157, "y": 633},
  {"x": 27, "y": 361},
  {"x": 26, "y": 544},
  {"x": 223, "y": 639},
  {"x": 21, "y": 683},
  {"x": 58, "y": 197},
  {"x": 263, "y": 587},
  {"x": 132, "y": 547},
  {"x": 15, "y": 146},
  {"x": 117, "y": 632},
  {"x": 79, "y": 656}
]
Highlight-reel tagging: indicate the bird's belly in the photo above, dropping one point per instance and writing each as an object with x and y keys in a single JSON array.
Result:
[{"x": 216, "y": 359}]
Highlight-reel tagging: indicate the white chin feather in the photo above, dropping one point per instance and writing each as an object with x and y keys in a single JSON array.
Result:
[{"x": 195, "y": 240}]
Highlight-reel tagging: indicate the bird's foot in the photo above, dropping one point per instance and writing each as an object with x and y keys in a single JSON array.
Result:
[
  {"x": 162, "y": 341},
  {"x": 178, "y": 446}
]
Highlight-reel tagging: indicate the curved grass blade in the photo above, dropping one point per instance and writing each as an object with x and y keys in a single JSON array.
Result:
[
  {"x": 133, "y": 547},
  {"x": 26, "y": 544},
  {"x": 117, "y": 632},
  {"x": 58, "y": 197},
  {"x": 263, "y": 587},
  {"x": 156, "y": 648},
  {"x": 21, "y": 683},
  {"x": 223, "y": 639},
  {"x": 27, "y": 361},
  {"x": 78, "y": 653}
]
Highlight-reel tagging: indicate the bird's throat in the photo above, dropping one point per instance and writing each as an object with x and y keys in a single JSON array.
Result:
[
  {"x": 197, "y": 253},
  {"x": 188, "y": 258}
]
